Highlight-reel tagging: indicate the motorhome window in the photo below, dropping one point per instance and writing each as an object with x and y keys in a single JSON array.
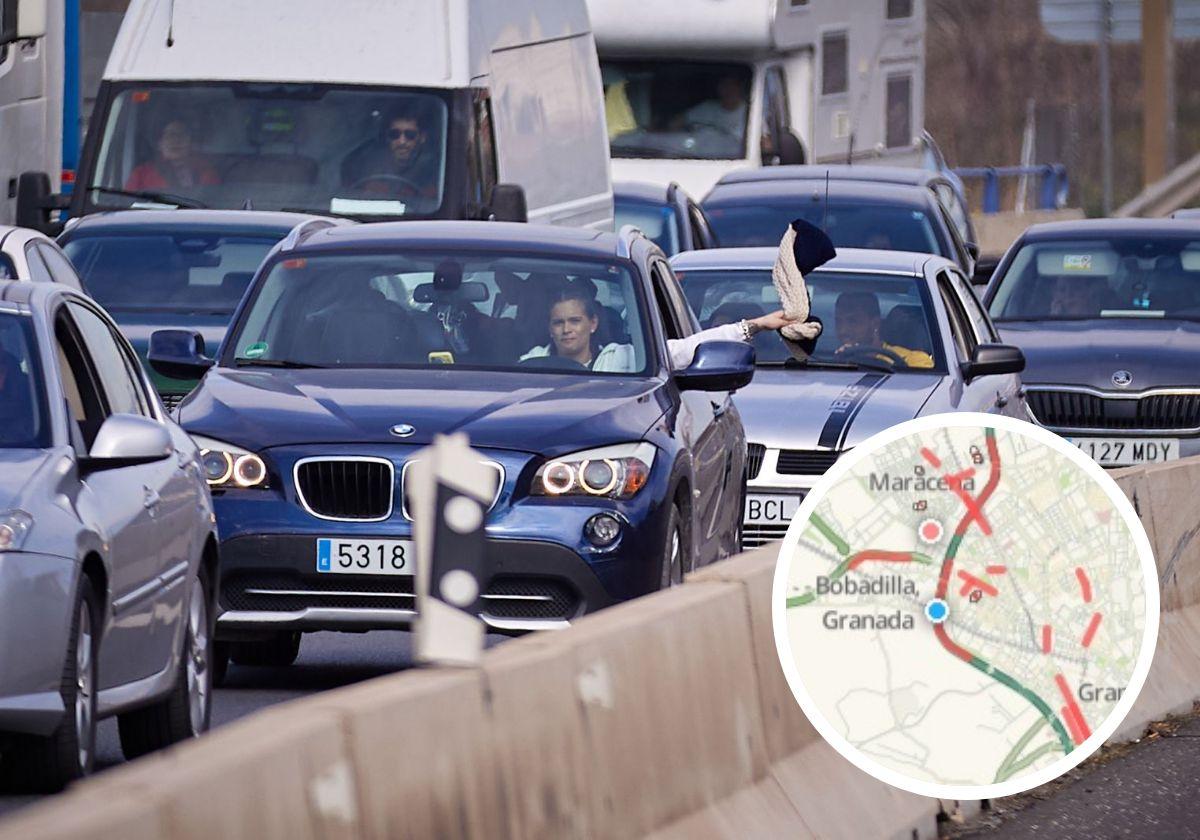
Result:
[
  {"x": 835, "y": 57},
  {"x": 850, "y": 225},
  {"x": 490, "y": 311},
  {"x": 198, "y": 273},
  {"x": 899, "y": 9},
  {"x": 316, "y": 148},
  {"x": 899, "y": 111},
  {"x": 676, "y": 109}
]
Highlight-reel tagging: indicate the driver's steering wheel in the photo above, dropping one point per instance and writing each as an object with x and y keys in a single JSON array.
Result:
[
  {"x": 386, "y": 178},
  {"x": 864, "y": 351}
]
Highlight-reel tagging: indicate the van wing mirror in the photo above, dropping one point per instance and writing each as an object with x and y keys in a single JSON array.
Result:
[
  {"x": 508, "y": 203},
  {"x": 35, "y": 201},
  {"x": 22, "y": 19},
  {"x": 791, "y": 150}
]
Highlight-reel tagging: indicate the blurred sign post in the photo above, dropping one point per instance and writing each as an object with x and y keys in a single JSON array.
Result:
[
  {"x": 1156, "y": 23},
  {"x": 448, "y": 493}
]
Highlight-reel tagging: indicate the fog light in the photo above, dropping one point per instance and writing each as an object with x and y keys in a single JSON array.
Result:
[{"x": 602, "y": 529}]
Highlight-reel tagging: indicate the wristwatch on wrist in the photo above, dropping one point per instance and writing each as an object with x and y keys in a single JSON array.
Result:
[{"x": 748, "y": 329}]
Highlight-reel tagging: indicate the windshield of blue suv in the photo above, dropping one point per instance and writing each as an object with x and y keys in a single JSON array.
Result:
[
  {"x": 24, "y": 423},
  {"x": 1101, "y": 277},
  {"x": 198, "y": 273},
  {"x": 872, "y": 321},
  {"x": 858, "y": 225},
  {"x": 272, "y": 146},
  {"x": 478, "y": 310}
]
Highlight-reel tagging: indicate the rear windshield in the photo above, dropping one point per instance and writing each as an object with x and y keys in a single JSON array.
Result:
[
  {"x": 1117, "y": 277},
  {"x": 273, "y": 146},
  {"x": 849, "y": 225},
  {"x": 23, "y": 419},
  {"x": 870, "y": 321},
  {"x": 198, "y": 273}
]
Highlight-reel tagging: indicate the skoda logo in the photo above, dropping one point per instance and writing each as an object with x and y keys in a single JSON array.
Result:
[
  {"x": 403, "y": 430},
  {"x": 1122, "y": 378}
]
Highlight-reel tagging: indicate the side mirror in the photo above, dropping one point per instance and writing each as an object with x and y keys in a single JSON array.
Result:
[
  {"x": 22, "y": 19},
  {"x": 178, "y": 354},
  {"x": 791, "y": 150},
  {"x": 718, "y": 366},
  {"x": 35, "y": 201},
  {"x": 993, "y": 359},
  {"x": 508, "y": 203},
  {"x": 127, "y": 440},
  {"x": 984, "y": 269}
]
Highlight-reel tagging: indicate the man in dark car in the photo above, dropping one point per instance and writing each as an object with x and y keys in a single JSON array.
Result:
[{"x": 858, "y": 323}]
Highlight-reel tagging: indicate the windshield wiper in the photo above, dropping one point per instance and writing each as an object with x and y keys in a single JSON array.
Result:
[
  {"x": 276, "y": 363},
  {"x": 819, "y": 364},
  {"x": 160, "y": 197}
]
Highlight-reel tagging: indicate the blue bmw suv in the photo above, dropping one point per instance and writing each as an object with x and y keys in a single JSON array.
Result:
[{"x": 355, "y": 346}]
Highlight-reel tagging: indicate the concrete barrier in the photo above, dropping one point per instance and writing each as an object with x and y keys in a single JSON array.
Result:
[{"x": 667, "y": 717}]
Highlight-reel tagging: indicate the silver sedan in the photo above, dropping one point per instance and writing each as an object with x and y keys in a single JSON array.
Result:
[
  {"x": 903, "y": 336},
  {"x": 107, "y": 546}
]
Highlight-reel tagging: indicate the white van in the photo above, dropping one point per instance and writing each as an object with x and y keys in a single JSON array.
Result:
[
  {"x": 693, "y": 93},
  {"x": 460, "y": 109}
]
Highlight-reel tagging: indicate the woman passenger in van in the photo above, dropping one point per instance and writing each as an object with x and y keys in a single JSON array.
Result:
[
  {"x": 575, "y": 318},
  {"x": 176, "y": 166}
]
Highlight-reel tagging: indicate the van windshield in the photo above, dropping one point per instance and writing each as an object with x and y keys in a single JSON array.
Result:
[
  {"x": 302, "y": 147},
  {"x": 676, "y": 109}
]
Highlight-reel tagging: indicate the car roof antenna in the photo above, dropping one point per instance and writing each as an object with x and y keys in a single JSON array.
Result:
[{"x": 171, "y": 25}]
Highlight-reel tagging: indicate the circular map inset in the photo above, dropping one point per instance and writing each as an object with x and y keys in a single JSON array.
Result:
[{"x": 966, "y": 606}]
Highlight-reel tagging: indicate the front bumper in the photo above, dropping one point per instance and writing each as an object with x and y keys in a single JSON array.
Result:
[
  {"x": 36, "y": 600},
  {"x": 776, "y": 485},
  {"x": 543, "y": 571}
]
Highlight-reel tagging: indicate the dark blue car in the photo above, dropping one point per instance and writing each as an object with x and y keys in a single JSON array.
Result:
[
  {"x": 152, "y": 269},
  {"x": 356, "y": 346}
]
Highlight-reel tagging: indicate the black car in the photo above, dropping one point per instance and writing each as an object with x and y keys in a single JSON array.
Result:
[
  {"x": 668, "y": 215},
  {"x": 856, "y": 214},
  {"x": 152, "y": 269},
  {"x": 1108, "y": 315}
]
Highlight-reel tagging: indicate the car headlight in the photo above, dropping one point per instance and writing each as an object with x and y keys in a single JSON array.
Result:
[
  {"x": 611, "y": 472},
  {"x": 226, "y": 465},
  {"x": 14, "y": 528}
]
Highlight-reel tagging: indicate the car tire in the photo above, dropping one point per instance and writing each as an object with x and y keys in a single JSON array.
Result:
[
  {"x": 46, "y": 764},
  {"x": 674, "y": 553},
  {"x": 187, "y": 711},
  {"x": 278, "y": 651}
]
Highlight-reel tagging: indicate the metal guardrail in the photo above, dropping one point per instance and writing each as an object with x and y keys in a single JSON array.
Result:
[{"x": 1052, "y": 189}]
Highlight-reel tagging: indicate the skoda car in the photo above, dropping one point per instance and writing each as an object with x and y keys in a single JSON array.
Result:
[
  {"x": 356, "y": 346},
  {"x": 903, "y": 336},
  {"x": 1108, "y": 315},
  {"x": 108, "y": 549}
]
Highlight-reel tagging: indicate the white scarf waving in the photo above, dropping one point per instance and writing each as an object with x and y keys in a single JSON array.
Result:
[{"x": 793, "y": 294}]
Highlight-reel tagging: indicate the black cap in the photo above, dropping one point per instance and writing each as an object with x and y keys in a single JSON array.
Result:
[{"x": 813, "y": 247}]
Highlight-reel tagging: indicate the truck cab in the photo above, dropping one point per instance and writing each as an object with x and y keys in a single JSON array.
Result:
[{"x": 460, "y": 110}]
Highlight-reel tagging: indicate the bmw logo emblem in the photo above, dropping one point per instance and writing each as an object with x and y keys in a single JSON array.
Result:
[
  {"x": 1122, "y": 378},
  {"x": 403, "y": 430}
]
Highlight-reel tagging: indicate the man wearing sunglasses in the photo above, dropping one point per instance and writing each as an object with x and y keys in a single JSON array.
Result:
[{"x": 401, "y": 167}]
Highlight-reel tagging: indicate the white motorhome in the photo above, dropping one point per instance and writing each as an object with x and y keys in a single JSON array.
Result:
[
  {"x": 697, "y": 88},
  {"x": 378, "y": 110}
]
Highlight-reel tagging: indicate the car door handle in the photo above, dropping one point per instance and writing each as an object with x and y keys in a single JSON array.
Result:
[{"x": 151, "y": 498}]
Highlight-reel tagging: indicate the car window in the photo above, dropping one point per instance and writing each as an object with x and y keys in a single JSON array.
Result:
[
  {"x": 657, "y": 221},
  {"x": 701, "y": 235},
  {"x": 679, "y": 318},
  {"x": 85, "y": 399},
  {"x": 38, "y": 271},
  {"x": 60, "y": 267},
  {"x": 978, "y": 318},
  {"x": 495, "y": 311},
  {"x": 7, "y": 271},
  {"x": 24, "y": 422},
  {"x": 954, "y": 209},
  {"x": 183, "y": 273},
  {"x": 775, "y": 119},
  {"x": 960, "y": 329},
  {"x": 118, "y": 377},
  {"x": 867, "y": 319}
]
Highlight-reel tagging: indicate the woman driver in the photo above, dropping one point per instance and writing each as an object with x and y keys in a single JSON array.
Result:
[{"x": 575, "y": 317}]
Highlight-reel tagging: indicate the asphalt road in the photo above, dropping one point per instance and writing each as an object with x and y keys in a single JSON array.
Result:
[
  {"x": 1149, "y": 790},
  {"x": 326, "y": 661}
]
